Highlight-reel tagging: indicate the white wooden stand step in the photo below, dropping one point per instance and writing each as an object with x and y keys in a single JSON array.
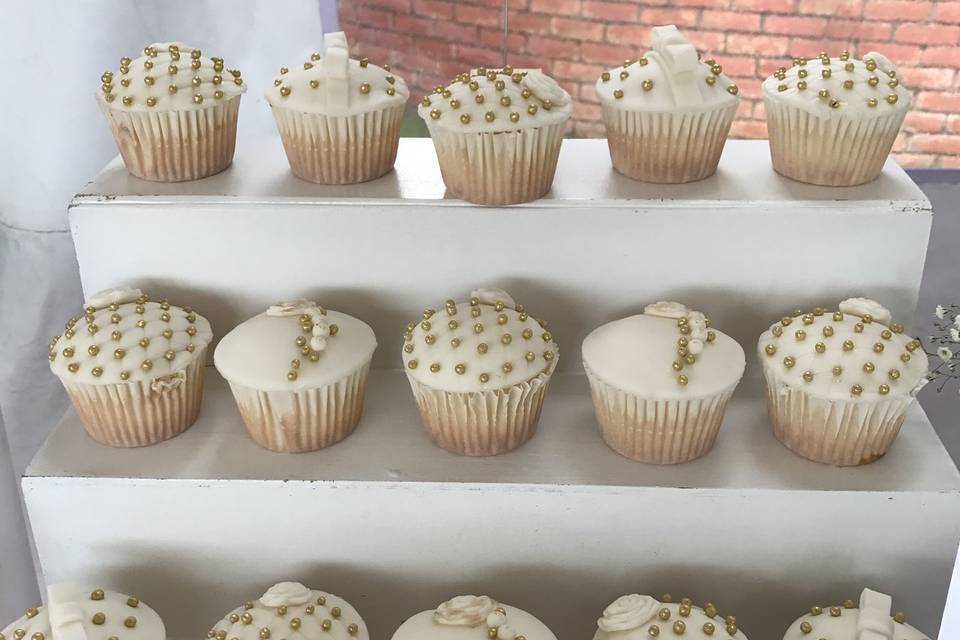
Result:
[{"x": 562, "y": 525}]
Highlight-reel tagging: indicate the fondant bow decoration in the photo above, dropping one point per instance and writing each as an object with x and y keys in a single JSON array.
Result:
[
  {"x": 321, "y": 328},
  {"x": 873, "y": 619},
  {"x": 679, "y": 60},
  {"x": 336, "y": 74},
  {"x": 66, "y": 613}
]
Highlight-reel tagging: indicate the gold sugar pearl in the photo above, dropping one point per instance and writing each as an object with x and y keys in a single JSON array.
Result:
[
  {"x": 709, "y": 628},
  {"x": 806, "y": 627},
  {"x": 130, "y": 622},
  {"x": 647, "y": 85},
  {"x": 365, "y": 87},
  {"x": 507, "y": 367},
  {"x": 352, "y": 628},
  {"x": 335, "y": 612},
  {"x": 836, "y": 611},
  {"x": 465, "y": 118},
  {"x": 484, "y": 378},
  {"x": 679, "y": 627},
  {"x": 664, "y": 614},
  {"x": 624, "y": 75},
  {"x": 435, "y": 367},
  {"x": 894, "y": 374},
  {"x": 900, "y": 617},
  {"x": 711, "y": 80},
  {"x": 605, "y": 76},
  {"x": 789, "y": 362},
  {"x": 808, "y": 376},
  {"x": 460, "y": 368},
  {"x": 732, "y": 89},
  {"x": 815, "y": 610},
  {"x": 98, "y": 618},
  {"x": 618, "y": 93},
  {"x": 653, "y": 631}
]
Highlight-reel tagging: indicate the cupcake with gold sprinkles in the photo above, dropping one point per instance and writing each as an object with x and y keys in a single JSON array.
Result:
[
  {"x": 173, "y": 112},
  {"x": 339, "y": 118},
  {"x": 291, "y": 610},
  {"x": 839, "y": 382},
  {"x": 639, "y": 617},
  {"x": 833, "y": 120},
  {"x": 298, "y": 373},
  {"x": 133, "y": 367},
  {"x": 473, "y": 618},
  {"x": 497, "y": 133},
  {"x": 872, "y": 619},
  {"x": 96, "y": 614},
  {"x": 667, "y": 114},
  {"x": 479, "y": 371}
]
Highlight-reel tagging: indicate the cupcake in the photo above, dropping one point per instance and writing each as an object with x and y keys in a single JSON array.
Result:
[
  {"x": 298, "y": 373},
  {"x": 497, "y": 133},
  {"x": 636, "y": 617},
  {"x": 667, "y": 114},
  {"x": 479, "y": 372},
  {"x": 291, "y": 610},
  {"x": 833, "y": 121},
  {"x": 660, "y": 382},
  {"x": 133, "y": 368},
  {"x": 339, "y": 119},
  {"x": 72, "y": 612},
  {"x": 473, "y": 618},
  {"x": 173, "y": 112},
  {"x": 871, "y": 621},
  {"x": 839, "y": 382}
]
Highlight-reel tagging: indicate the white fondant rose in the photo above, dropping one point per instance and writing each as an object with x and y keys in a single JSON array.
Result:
[
  {"x": 464, "y": 611},
  {"x": 545, "y": 87},
  {"x": 292, "y": 308},
  {"x": 665, "y": 309},
  {"x": 628, "y": 612},
  {"x": 65, "y": 611},
  {"x": 118, "y": 295},
  {"x": 698, "y": 325},
  {"x": 496, "y": 619},
  {"x": 866, "y": 306},
  {"x": 873, "y": 616},
  {"x": 492, "y": 295},
  {"x": 285, "y": 594}
]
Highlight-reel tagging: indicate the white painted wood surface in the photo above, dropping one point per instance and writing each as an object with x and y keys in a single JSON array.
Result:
[
  {"x": 745, "y": 246},
  {"x": 560, "y": 526}
]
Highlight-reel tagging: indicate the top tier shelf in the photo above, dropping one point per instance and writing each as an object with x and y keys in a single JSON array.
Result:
[{"x": 260, "y": 173}]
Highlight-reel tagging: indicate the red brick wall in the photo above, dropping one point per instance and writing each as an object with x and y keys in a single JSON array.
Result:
[{"x": 428, "y": 41}]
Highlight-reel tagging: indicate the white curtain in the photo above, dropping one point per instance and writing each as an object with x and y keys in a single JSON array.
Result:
[{"x": 52, "y": 140}]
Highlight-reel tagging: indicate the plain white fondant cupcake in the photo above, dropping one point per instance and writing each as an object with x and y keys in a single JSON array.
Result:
[
  {"x": 73, "y": 612},
  {"x": 291, "y": 610},
  {"x": 833, "y": 121},
  {"x": 133, "y": 368},
  {"x": 661, "y": 381},
  {"x": 473, "y": 618},
  {"x": 173, "y": 112},
  {"x": 839, "y": 382},
  {"x": 339, "y": 118},
  {"x": 668, "y": 113},
  {"x": 497, "y": 133},
  {"x": 298, "y": 373},
  {"x": 637, "y": 617},
  {"x": 479, "y": 371},
  {"x": 870, "y": 621}
]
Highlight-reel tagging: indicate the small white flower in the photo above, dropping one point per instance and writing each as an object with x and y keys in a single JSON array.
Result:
[
  {"x": 666, "y": 309},
  {"x": 955, "y": 334},
  {"x": 940, "y": 311},
  {"x": 956, "y": 320},
  {"x": 944, "y": 353}
]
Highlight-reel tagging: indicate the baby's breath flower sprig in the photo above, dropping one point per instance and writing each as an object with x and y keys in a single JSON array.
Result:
[{"x": 944, "y": 345}]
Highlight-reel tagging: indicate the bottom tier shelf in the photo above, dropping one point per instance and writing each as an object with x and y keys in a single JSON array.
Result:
[{"x": 559, "y": 527}]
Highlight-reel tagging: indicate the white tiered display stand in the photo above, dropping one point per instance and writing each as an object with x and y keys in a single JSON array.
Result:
[{"x": 561, "y": 526}]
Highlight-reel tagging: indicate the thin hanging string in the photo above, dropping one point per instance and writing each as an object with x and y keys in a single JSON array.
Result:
[{"x": 506, "y": 18}]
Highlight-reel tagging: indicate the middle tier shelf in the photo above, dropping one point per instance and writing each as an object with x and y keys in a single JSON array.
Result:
[{"x": 390, "y": 446}]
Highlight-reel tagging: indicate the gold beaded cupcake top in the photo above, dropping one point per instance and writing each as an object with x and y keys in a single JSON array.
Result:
[
  {"x": 505, "y": 99},
  {"x": 291, "y": 610},
  {"x": 170, "y": 76},
  {"x": 488, "y": 343},
  {"x": 670, "y": 76},
  {"x": 855, "y": 352},
  {"x": 336, "y": 85},
  {"x": 94, "y": 614},
  {"x": 871, "y": 620},
  {"x": 643, "y": 617},
  {"x": 123, "y": 336},
  {"x": 840, "y": 86}
]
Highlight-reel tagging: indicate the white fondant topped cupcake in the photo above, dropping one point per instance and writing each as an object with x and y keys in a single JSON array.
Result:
[
  {"x": 667, "y": 114},
  {"x": 298, "y": 373},
  {"x": 872, "y": 620},
  {"x": 335, "y": 84},
  {"x": 473, "y": 618},
  {"x": 638, "y": 617},
  {"x": 497, "y": 100},
  {"x": 73, "y": 613},
  {"x": 670, "y": 76},
  {"x": 291, "y": 610}
]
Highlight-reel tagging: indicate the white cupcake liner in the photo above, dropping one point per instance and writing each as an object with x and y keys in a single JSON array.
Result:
[
  {"x": 175, "y": 146},
  {"x": 657, "y": 431},
  {"x": 838, "y": 432},
  {"x": 667, "y": 146},
  {"x": 837, "y": 152},
  {"x": 137, "y": 414},
  {"x": 307, "y": 420},
  {"x": 498, "y": 168},
  {"x": 482, "y": 423},
  {"x": 340, "y": 149}
]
